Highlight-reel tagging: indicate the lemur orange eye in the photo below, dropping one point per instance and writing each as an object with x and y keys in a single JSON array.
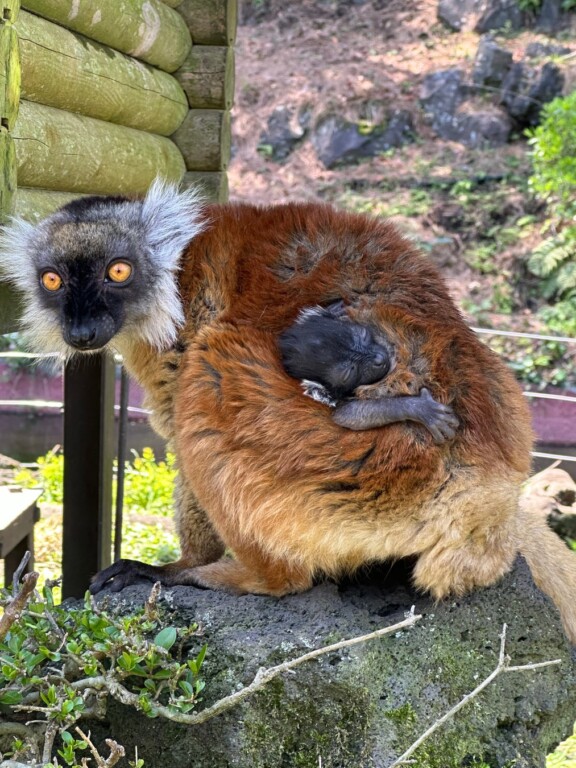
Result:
[
  {"x": 119, "y": 272},
  {"x": 51, "y": 281}
]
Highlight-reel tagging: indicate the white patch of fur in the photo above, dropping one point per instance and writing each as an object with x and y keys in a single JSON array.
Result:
[
  {"x": 171, "y": 220},
  {"x": 17, "y": 242},
  {"x": 317, "y": 392},
  {"x": 308, "y": 312}
]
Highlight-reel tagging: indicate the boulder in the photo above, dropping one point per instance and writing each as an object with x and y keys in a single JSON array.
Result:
[
  {"x": 550, "y": 17},
  {"x": 282, "y": 135},
  {"x": 538, "y": 50},
  {"x": 442, "y": 97},
  {"x": 364, "y": 705},
  {"x": 459, "y": 14},
  {"x": 340, "y": 142},
  {"x": 481, "y": 15},
  {"x": 441, "y": 94},
  {"x": 492, "y": 63},
  {"x": 526, "y": 89},
  {"x": 500, "y": 14}
]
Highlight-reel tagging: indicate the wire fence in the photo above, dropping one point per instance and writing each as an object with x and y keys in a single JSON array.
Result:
[{"x": 124, "y": 408}]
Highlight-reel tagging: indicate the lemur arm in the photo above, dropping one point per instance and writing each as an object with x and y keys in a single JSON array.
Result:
[{"x": 439, "y": 419}]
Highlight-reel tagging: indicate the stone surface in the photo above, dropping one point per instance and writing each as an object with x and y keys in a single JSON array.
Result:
[
  {"x": 282, "y": 134},
  {"x": 361, "y": 707},
  {"x": 459, "y": 14},
  {"x": 339, "y": 142},
  {"x": 526, "y": 89},
  {"x": 550, "y": 16},
  {"x": 491, "y": 64},
  {"x": 500, "y": 14},
  {"x": 442, "y": 98},
  {"x": 480, "y": 15},
  {"x": 536, "y": 50}
]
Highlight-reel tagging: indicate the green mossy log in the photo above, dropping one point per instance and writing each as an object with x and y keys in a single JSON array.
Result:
[
  {"x": 62, "y": 151},
  {"x": 212, "y": 184},
  {"x": 207, "y": 77},
  {"x": 146, "y": 29},
  {"x": 9, "y": 77},
  {"x": 211, "y": 22},
  {"x": 35, "y": 204},
  {"x": 204, "y": 140},
  {"x": 172, "y": 3},
  {"x": 7, "y": 173},
  {"x": 9, "y": 10},
  {"x": 65, "y": 70}
]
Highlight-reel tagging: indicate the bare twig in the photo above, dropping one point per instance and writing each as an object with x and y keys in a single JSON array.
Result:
[
  {"x": 49, "y": 736},
  {"x": 151, "y": 607},
  {"x": 19, "y": 571},
  {"x": 116, "y": 750},
  {"x": 502, "y": 666},
  {"x": 20, "y": 596}
]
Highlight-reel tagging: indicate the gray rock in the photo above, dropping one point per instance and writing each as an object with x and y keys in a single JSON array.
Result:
[
  {"x": 550, "y": 16},
  {"x": 459, "y": 14},
  {"x": 500, "y": 14},
  {"x": 480, "y": 15},
  {"x": 282, "y": 134},
  {"x": 526, "y": 90},
  {"x": 339, "y": 142},
  {"x": 441, "y": 94},
  {"x": 363, "y": 706},
  {"x": 491, "y": 64},
  {"x": 537, "y": 50},
  {"x": 484, "y": 128}
]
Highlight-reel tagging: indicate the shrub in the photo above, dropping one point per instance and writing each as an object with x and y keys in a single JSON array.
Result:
[{"x": 554, "y": 180}]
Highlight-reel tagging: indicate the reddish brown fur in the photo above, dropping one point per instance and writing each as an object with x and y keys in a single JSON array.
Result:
[{"x": 291, "y": 493}]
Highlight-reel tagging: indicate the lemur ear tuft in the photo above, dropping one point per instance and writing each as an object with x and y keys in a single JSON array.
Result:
[
  {"x": 16, "y": 253},
  {"x": 171, "y": 219}
]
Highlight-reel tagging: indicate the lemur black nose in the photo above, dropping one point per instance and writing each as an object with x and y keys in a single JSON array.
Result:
[{"x": 82, "y": 336}]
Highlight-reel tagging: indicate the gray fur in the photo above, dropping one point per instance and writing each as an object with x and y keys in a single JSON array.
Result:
[{"x": 160, "y": 227}]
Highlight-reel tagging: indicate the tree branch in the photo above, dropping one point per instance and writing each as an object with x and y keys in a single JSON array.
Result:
[
  {"x": 502, "y": 666},
  {"x": 20, "y": 596}
]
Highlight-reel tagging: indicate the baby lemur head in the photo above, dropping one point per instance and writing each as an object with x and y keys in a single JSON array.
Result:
[
  {"x": 324, "y": 346},
  {"x": 101, "y": 266}
]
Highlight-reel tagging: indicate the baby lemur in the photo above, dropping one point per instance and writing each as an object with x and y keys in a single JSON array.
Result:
[
  {"x": 195, "y": 298},
  {"x": 333, "y": 356}
]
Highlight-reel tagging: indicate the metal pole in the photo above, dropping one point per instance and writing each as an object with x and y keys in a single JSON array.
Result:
[{"x": 122, "y": 437}]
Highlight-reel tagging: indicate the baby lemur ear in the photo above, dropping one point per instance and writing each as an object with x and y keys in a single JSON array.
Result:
[
  {"x": 171, "y": 219},
  {"x": 334, "y": 311}
]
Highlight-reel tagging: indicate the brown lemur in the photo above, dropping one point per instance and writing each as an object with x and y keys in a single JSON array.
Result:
[
  {"x": 195, "y": 298},
  {"x": 333, "y": 356}
]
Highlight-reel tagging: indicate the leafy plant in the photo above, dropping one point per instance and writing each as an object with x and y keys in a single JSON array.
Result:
[
  {"x": 554, "y": 179},
  {"x": 54, "y": 658},
  {"x": 50, "y": 476},
  {"x": 148, "y": 484}
]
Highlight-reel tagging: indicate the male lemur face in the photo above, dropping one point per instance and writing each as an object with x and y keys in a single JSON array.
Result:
[{"x": 101, "y": 269}]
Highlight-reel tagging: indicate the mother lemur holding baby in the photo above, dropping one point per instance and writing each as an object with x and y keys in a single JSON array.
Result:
[{"x": 425, "y": 460}]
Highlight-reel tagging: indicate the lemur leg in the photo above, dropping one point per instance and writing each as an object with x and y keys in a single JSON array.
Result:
[
  {"x": 199, "y": 542},
  {"x": 250, "y": 571},
  {"x": 478, "y": 555}
]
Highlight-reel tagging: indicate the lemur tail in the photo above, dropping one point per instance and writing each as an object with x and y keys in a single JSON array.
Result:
[{"x": 552, "y": 564}]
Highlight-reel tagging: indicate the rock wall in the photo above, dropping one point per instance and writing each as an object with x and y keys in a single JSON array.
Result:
[{"x": 363, "y": 706}]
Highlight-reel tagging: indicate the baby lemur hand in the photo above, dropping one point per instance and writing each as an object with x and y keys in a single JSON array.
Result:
[{"x": 439, "y": 419}]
